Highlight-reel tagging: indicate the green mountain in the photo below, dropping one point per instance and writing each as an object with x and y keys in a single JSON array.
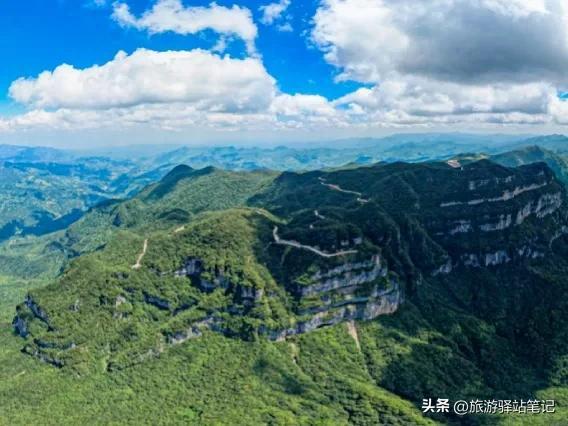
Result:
[
  {"x": 181, "y": 194},
  {"x": 328, "y": 297}
]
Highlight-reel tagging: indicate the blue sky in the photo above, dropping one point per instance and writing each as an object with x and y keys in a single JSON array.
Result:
[
  {"x": 39, "y": 35},
  {"x": 294, "y": 70}
]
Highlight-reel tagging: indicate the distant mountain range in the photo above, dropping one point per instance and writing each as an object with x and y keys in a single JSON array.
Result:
[
  {"x": 45, "y": 189},
  {"x": 340, "y": 295}
]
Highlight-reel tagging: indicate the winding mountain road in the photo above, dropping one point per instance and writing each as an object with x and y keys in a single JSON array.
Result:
[
  {"x": 318, "y": 215},
  {"x": 138, "y": 263},
  {"x": 180, "y": 229},
  {"x": 296, "y": 244},
  {"x": 345, "y": 191}
]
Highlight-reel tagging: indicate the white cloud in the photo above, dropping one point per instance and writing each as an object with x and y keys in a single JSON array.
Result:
[
  {"x": 422, "y": 97},
  {"x": 94, "y": 4},
  {"x": 172, "y": 15},
  {"x": 169, "y": 117},
  {"x": 484, "y": 64},
  {"x": 286, "y": 27},
  {"x": 456, "y": 62},
  {"x": 273, "y": 11},
  {"x": 302, "y": 105},
  {"x": 458, "y": 40},
  {"x": 170, "y": 90},
  {"x": 358, "y": 37},
  {"x": 197, "y": 77},
  {"x": 420, "y": 100}
]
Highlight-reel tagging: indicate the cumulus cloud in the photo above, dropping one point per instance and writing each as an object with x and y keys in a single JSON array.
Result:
[
  {"x": 423, "y": 97},
  {"x": 172, "y": 15},
  {"x": 448, "y": 61},
  {"x": 458, "y": 40},
  {"x": 197, "y": 77},
  {"x": 169, "y": 90},
  {"x": 454, "y": 63},
  {"x": 418, "y": 100},
  {"x": 302, "y": 105},
  {"x": 273, "y": 11}
]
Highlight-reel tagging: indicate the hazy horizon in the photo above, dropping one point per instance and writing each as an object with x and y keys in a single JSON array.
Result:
[{"x": 297, "y": 144}]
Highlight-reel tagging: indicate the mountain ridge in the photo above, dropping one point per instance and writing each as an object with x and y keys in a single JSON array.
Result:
[{"x": 368, "y": 286}]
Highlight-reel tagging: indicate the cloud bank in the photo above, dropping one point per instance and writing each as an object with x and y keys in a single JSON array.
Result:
[
  {"x": 200, "y": 78},
  {"x": 479, "y": 63},
  {"x": 468, "y": 41},
  {"x": 448, "y": 61}
]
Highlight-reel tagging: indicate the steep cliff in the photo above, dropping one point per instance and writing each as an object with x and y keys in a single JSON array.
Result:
[{"x": 307, "y": 254}]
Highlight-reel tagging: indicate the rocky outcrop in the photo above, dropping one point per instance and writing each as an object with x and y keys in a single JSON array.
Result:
[
  {"x": 461, "y": 227},
  {"x": 529, "y": 252},
  {"x": 43, "y": 344},
  {"x": 387, "y": 303},
  {"x": 506, "y": 196},
  {"x": 346, "y": 275},
  {"x": 498, "y": 257},
  {"x": 445, "y": 268},
  {"x": 504, "y": 222},
  {"x": 194, "y": 268},
  {"x": 249, "y": 294},
  {"x": 191, "y": 267},
  {"x": 544, "y": 206},
  {"x": 42, "y": 356},
  {"x": 20, "y": 326},
  {"x": 561, "y": 232},
  {"x": 21, "y": 320},
  {"x": 36, "y": 309},
  {"x": 193, "y": 331},
  {"x": 158, "y": 302}
]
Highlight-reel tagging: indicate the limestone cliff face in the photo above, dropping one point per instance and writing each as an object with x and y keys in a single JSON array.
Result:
[
  {"x": 194, "y": 331},
  {"x": 36, "y": 309},
  {"x": 20, "y": 326},
  {"x": 486, "y": 228},
  {"x": 346, "y": 275},
  {"x": 351, "y": 291},
  {"x": 194, "y": 268},
  {"x": 360, "y": 290},
  {"x": 157, "y": 302},
  {"x": 385, "y": 303},
  {"x": 20, "y": 322}
]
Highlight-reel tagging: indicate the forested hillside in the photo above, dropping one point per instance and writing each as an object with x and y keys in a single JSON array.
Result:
[{"x": 343, "y": 296}]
